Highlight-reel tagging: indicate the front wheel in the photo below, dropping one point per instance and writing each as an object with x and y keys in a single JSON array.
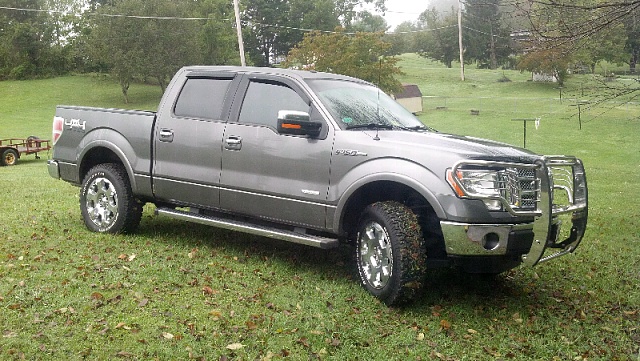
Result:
[
  {"x": 390, "y": 252},
  {"x": 107, "y": 202}
]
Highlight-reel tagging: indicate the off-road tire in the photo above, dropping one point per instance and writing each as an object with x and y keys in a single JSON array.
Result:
[
  {"x": 107, "y": 203},
  {"x": 390, "y": 252}
]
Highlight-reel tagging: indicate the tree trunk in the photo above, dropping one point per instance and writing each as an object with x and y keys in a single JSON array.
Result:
[
  {"x": 633, "y": 61},
  {"x": 494, "y": 58}
]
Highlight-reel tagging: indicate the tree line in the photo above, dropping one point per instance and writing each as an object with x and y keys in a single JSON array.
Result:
[
  {"x": 538, "y": 35},
  {"x": 151, "y": 39}
]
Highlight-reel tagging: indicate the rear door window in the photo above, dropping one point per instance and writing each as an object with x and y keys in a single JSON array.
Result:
[{"x": 202, "y": 98}]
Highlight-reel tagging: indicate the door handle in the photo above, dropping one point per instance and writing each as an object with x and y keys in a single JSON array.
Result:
[
  {"x": 166, "y": 135},
  {"x": 233, "y": 143}
]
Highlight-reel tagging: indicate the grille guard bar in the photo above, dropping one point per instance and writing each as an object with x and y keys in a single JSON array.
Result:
[
  {"x": 543, "y": 227},
  {"x": 546, "y": 224}
]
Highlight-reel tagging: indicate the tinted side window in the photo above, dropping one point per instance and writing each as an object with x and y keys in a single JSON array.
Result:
[
  {"x": 263, "y": 101},
  {"x": 202, "y": 98}
]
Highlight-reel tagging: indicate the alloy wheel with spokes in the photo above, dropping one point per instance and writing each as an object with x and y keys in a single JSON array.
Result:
[
  {"x": 102, "y": 202},
  {"x": 376, "y": 255}
]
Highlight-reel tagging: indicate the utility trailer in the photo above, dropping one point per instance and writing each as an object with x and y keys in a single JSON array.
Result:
[{"x": 12, "y": 149}]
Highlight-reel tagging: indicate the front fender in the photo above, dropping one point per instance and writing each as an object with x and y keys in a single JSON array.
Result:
[{"x": 413, "y": 175}]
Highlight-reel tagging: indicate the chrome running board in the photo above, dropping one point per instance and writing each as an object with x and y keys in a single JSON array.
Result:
[{"x": 281, "y": 234}]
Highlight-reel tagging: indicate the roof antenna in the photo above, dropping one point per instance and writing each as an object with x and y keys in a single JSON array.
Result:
[{"x": 378, "y": 101}]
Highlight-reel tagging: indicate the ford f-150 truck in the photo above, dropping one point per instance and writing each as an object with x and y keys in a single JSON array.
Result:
[{"x": 321, "y": 159}]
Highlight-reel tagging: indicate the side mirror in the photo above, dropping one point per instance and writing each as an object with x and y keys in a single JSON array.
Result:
[{"x": 297, "y": 123}]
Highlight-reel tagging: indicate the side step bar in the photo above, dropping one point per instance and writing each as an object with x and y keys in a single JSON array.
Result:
[{"x": 284, "y": 235}]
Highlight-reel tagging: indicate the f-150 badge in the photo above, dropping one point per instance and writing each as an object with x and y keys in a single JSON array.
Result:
[{"x": 350, "y": 152}]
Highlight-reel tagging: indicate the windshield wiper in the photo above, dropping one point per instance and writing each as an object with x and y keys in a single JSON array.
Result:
[
  {"x": 415, "y": 128},
  {"x": 370, "y": 126}
]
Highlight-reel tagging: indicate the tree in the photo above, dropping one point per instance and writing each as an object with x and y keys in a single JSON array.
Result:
[
  {"x": 402, "y": 39},
  {"x": 218, "y": 43},
  {"x": 440, "y": 40},
  {"x": 565, "y": 32},
  {"x": 632, "y": 46},
  {"x": 359, "y": 55},
  {"x": 135, "y": 43},
  {"x": 28, "y": 43},
  {"x": 368, "y": 22},
  {"x": 275, "y": 26},
  {"x": 486, "y": 38},
  {"x": 585, "y": 26}
]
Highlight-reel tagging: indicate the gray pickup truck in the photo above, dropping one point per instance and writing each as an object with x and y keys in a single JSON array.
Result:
[{"x": 321, "y": 159}]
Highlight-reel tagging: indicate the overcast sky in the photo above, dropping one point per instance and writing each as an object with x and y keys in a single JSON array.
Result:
[{"x": 399, "y": 11}]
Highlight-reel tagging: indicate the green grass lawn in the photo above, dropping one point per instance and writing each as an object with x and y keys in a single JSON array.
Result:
[{"x": 183, "y": 291}]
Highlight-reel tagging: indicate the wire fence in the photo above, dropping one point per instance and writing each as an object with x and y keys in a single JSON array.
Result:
[{"x": 528, "y": 107}]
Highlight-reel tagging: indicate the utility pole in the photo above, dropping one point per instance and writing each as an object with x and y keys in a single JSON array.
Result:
[
  {"x": 460, "y": 39},
  {"x": 236, "y": 8}
]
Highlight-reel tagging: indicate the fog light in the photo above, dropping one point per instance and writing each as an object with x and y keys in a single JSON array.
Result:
[
  {"x": 490, "y": 241},
  {"x": 493, "y": 204}
]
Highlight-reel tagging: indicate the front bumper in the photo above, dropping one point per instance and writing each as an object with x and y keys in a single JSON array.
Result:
[{"x": 561, "y": 200}]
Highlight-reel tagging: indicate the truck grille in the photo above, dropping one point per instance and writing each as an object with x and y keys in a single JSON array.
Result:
[{"x": 520, "y": 188}]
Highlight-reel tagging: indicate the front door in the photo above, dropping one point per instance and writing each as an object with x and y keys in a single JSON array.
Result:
[{"x": 269, "y": 175}]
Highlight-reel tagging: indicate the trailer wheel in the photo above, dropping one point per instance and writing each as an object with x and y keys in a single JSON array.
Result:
[
  {"x": 9, "y": 157},
  {"x": 107, "y": 203},
  {"x": 390, "y": 252}
]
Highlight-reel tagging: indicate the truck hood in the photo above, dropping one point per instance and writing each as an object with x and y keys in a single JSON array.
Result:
[{"x": 448, "y": 145}]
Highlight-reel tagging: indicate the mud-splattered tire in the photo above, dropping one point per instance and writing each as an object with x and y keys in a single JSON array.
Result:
[
  {"x": 390, "y": 252},
  {"x": 107, "y": 203}
]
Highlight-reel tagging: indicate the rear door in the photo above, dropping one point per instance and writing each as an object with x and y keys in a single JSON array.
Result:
[
  {"x": 188, "y": 141},
  {"x": 267, "y": 175}
]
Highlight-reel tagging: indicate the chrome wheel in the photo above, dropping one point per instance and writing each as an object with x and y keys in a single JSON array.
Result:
[
  {"x": 102, "y": 202},
  {"x": 376, "y": 255}
]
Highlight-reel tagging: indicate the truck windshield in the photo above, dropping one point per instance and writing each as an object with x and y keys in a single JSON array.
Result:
[{"x": 358, "y": 105}]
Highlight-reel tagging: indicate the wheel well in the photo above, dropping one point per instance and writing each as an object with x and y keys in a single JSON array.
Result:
[
  {"x": 95, "y": 156},
  {"x": 392, "y": 191}
]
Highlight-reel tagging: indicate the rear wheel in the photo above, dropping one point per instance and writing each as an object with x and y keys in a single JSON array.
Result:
[
  {"x": 390, "y": 252},
  {"x": 9, "y": 157},
  {"x": 107, "y": 202}
]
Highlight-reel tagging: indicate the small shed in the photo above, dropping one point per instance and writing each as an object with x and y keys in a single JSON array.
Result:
[{"x": 410, "y": 97}]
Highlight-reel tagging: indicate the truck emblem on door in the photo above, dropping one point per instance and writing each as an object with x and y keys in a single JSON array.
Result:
[{"x": 350, "y": 152}]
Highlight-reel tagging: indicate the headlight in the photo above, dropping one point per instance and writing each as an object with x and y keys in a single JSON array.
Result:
[{"x": 483, "y": 184}]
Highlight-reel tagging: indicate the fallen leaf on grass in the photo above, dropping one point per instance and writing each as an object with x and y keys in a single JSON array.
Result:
[
  {"x": 303, "y": 341},
  {"x": 235, "y": 346},
  {"x": 516, "y": 317},
  {"x": 167, "y": 336},
  {"x": 124, "y": 354},
  {"x": 215, "y": 314},
  {"x": 445, "y": 325},
  {"x": 491, "y": 351},
  {"x": 9, "y": 334}
]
